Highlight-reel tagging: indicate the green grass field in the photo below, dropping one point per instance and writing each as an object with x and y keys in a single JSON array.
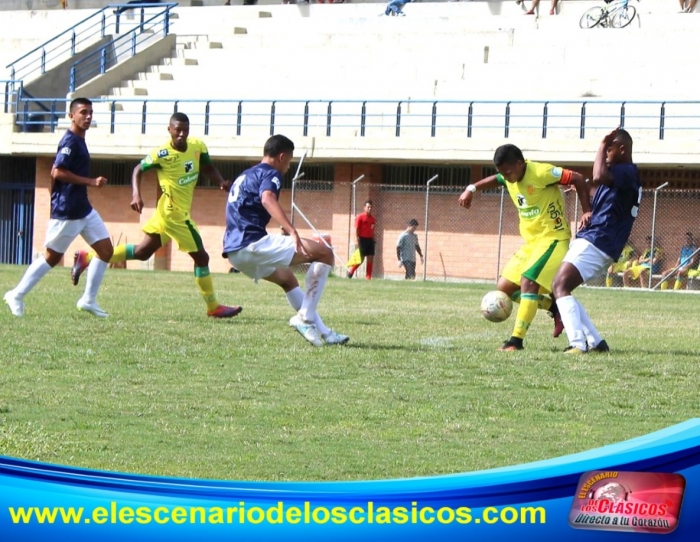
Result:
[{"x": 158, "y": 388}]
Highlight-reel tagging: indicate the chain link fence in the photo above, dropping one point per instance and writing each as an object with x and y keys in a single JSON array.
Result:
[{"x": 474, "y": 244}]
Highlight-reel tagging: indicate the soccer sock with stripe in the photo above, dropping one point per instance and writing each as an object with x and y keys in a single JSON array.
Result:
[
  {"x": 608, "y": 280},
  {"x": 206, "y": 287},
  {"x": 95, "y": 273},
  {"x": 526, "y": 314},
  {"x": 315, "y": 283},
  {"x": 296, "y": 298},
  {"x": 34, "y": 273},
  {"x": 122, "y": 253},
  {"x": 544, "y": 301}
]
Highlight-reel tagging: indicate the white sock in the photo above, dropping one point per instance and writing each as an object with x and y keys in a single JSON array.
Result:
[
  {"x": 34, "y": 273},
  {"x": 95, "y": 272},
  {"x": 296, "y": 299},
  {"x": 569, "y": 310},
  {"x": 592, "y": 334},
  {"x": 315, "y": 283}
]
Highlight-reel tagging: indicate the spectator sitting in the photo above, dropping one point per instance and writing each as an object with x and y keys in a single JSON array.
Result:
[
  {"x": 639, "y": 268},
  {"x": 623, "y": 262},
  {"x": 535, "y": 3},
  {"x": 395, "y": 8},
  {"x": 685, "y": 262}
]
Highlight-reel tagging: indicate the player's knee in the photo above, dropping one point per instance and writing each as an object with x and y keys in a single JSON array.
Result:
[{"x": 105, "y": 253}]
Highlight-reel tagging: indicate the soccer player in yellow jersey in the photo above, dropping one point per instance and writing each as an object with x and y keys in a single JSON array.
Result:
[
  {"x": 177, "y": 164},
  {"x": 534, "y": 189}
]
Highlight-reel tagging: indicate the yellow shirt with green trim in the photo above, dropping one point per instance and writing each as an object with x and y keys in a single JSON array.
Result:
[
  {"x": 178, "y": 173},
  {"x": 540, "y": 203}
]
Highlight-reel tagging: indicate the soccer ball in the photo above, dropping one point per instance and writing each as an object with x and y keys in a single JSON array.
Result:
[{"x": 496, "y": 306}]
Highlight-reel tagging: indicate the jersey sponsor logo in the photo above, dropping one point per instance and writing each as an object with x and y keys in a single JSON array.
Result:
[
  {"x": 66, "y": 151},
  {"x": 556, "y": 172},
  {"x": 188, "y": 179},
  {"x": 189, "y": 166},
  {"x": 529, "y": 212},
  {"x": 162, "y": 153}
]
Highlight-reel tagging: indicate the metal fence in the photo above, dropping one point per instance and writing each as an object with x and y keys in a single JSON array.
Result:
[{"x": 472, "y": 245}]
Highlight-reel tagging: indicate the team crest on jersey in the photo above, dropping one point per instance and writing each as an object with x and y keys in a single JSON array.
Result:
[
  {"x": 531, "y": 190},
  {"x": 162, "y": 153},
  {"x": 66, "y": 151},
  {"x": 522, "y": 202},
  {"x": 556, "y": 172},
  {"x": 189, "y": 166}
]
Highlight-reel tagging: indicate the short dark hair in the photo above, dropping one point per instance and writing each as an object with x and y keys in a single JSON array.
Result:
[
  {"x": 179, "y": 117},
  {"x": 369, "y": 201},
  {"x": 413, "y": 222},
  {"x": 624, "y": 137},
  {"x": 79, "y": 101},
  {"x": 507, "y": 155},
  {"x": 277, "y": 144}
]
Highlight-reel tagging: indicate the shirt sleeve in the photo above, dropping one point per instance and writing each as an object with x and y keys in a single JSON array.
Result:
[
  {"x": 204, "y": 158},
  {"x": 272, "y": 183},
  {"x": 65, "y": 156},
  {"x": 153, "y": 159}
]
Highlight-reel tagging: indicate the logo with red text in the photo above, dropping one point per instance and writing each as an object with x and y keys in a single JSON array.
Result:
[{"x": 635, "y": 502}]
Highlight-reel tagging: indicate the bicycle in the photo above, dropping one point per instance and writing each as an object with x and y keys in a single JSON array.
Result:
[{"x": 616, "y": 14}]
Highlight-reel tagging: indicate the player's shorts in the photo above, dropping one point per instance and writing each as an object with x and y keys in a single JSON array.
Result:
[
  {"x": 636, "y": 270},
  {"x": 260, "y": 259},
  {"x": 61, "y": 233},
  {"x": 536, "y": 261},
  {"x": 619, "y": 267},
  {"x": 694, "y": 273},
  {"x": 184, "y": 233},
  {"x": 588, "y": 259},
  {"x": 366, "y": 246}
]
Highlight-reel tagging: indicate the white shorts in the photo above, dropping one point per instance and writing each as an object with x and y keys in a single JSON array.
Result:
[
  {"x": 61, "y": 233},
  {"x": 260, "y": 259},
  {"x": 587, "y": 258}
]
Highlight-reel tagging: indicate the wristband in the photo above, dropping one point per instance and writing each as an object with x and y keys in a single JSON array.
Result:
[{"x": 471, "y": 188}]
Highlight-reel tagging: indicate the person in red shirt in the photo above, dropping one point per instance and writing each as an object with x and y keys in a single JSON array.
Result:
[{"x": 364, "y": 230}]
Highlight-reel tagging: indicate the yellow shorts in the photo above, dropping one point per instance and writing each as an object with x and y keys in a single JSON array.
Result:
[
  {"x": 618, "y": 267},
  {"x": 694, "y": 273},
  {"x": 536, "y": 261},
  {"x": 184, "y": 233},
  {"x": 636, "y": 270}
]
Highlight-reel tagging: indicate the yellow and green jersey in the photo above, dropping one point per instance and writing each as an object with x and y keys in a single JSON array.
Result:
[
  {"x": 627, "y": 253},
  {"x": 178, "y": 173},
  {"x": 540, "y": 202}
]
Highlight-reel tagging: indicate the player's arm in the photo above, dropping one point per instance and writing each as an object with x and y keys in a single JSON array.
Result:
[
  {"x": 211, "y": 172},
  {"x": 419, "y": 251},
  {"x": 357, "y": 230},
  {"x": 270, "y": 202},
  {"x": 575, "y": 179},
  {"x": 65, "y": 176},
  {"x": 601, "y": 172},
  {"x": 465, "y": 199},
  {"x": 152, "y": 161}
]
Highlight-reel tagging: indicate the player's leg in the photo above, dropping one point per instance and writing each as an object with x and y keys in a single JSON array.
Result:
[
  {"x": 59, "y": 235},
  {"x": 95, "y": 234},
  {"x": 154, "y": 238},
  {"x": 510, "y": 282},
  {"x": 187, "y": 237},
  {"x": 284, "y": 277},
  {"x": 369, "y": 253},
  {"x": 321, "y": 259},
  {"x": 410, "y": 269},
  {"x": 582, "y": 262}
]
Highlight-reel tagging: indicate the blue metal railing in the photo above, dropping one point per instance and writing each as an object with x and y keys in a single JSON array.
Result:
[
  {"x": 9, "y": 87},
  {"x": 122, "y": 47},
  {"x": 60, "y": 48},
  {"x": 393, "y": 118}
]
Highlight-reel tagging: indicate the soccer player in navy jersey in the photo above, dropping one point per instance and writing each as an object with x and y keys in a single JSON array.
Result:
[
  {"x": 71, "y": 215},
  {"x": 601, "y": 237},
  {"x": 252, "y": 201}
]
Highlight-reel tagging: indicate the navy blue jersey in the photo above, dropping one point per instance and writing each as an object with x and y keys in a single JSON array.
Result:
[
  {"x": 70, "y": 201},
  {"x": 613, "y": 211},
  {"x": 246, "y": 218}
]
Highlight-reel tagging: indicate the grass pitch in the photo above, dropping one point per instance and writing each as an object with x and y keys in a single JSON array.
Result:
[{"x": 159, "y": 388}]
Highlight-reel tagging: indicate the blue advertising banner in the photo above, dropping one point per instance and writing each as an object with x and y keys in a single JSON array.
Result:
[{"x": 602, "y": 494}]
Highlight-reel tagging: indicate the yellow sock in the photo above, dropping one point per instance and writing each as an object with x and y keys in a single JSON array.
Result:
[
  {"x": 206, "y": 287},
  {"x": 544, "y": 302},
  {"x": 526, "y": 314},
  {"x": 664, "y": 285},
  {"x": 608, "y": 281},
  {"x": 122, "y": 253},
  {"x": 678, "y": 284}
]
